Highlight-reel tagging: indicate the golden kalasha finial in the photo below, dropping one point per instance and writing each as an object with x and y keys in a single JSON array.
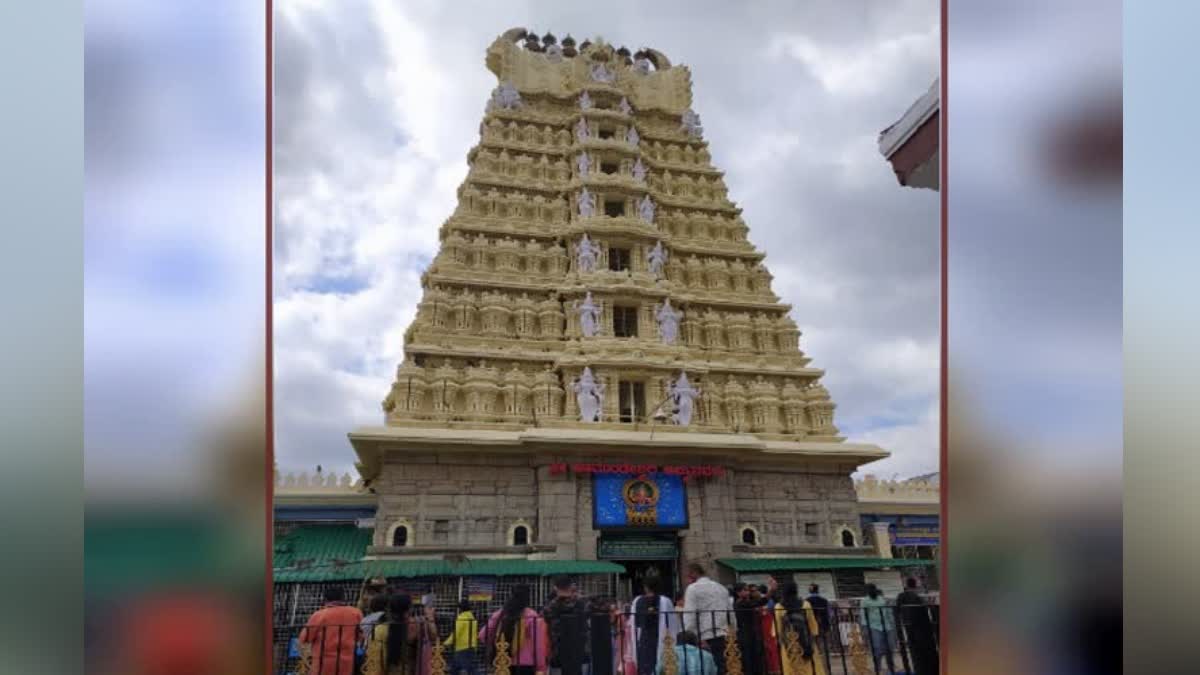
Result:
[
  {"x": 733, "y": 653},
  {"x": 437, "y": 662},
  {"x": 305, "y": 665},
  {"x": 860, "y": 661},
  {"x": 502, "y": 664},
  {"x": 374, "y": 662},
  {"x": 670, "y": 664}
]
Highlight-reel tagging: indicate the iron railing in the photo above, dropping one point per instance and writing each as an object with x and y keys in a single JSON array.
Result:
[{"x": 747, "y": 640}]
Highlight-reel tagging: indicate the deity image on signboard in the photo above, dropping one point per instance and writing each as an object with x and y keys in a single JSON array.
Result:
[
  {"x": 637, "y": 500},
  {"x": 641, "y": 495}
]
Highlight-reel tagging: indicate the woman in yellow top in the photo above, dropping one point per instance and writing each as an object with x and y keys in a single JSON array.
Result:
[
  {"x": 463, "y": 641},
  {"x": 395, "y": 647},
  {"x": 795, "y": 615}
]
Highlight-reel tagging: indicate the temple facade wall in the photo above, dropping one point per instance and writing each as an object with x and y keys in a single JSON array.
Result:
[{"x": 461, "y": 503}]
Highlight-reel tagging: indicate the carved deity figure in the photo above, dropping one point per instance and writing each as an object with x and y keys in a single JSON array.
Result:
[
  {"x": 624, "y": 106},
  {"x": 691, "y": 123},
  {"x": 505, "y": 97},
  {"x": 589, "y": 316},
  {"x": 646, "y": 209},
  {"x": 589, "y": 394},
  {"x": 735, "y": 403},
  {"x": 587, "y": 204},
  {"x": 657, "y": 257},
  {"x": 587, "y": 255},
  {"x": 642, "y": 66},
  {"x": 639, "y": 171},
  {"x": 584, "y": 164},
  {"x": 550, "y": 315},
  {"x": 668, "y": 321},
  {"x": 601, "y": 73},
  {"x": 525, "y": 316},
  {"x": 631, "y": 136},
  {"x": 684, "y": 395},
  {"x": 582, "y": 132},
  {"x": 585, "y": 101}
]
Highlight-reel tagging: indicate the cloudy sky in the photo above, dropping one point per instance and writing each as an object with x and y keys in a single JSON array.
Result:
[{"x": 377, "y": 104}]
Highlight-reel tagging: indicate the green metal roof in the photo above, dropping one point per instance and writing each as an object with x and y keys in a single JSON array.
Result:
[
  {"x": 321, "y": 545},
  {"x": 801, "y": 564},
  {"x": 312, "y": 553},
  {"x": 498, "y": 567}
]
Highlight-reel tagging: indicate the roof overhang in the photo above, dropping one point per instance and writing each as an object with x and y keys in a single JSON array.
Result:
[
  {"x": 371, "y": 444},
  {"x": 911, "y": 145}
]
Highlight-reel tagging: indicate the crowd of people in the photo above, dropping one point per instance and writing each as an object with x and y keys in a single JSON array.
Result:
[{"x": 572, "y": 635}]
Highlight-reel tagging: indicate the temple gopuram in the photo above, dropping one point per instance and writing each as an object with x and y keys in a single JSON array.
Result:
[{"x": 600, "y": 380}]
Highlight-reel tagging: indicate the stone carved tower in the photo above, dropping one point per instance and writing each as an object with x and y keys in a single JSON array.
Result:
[{"x": 593, "y": 231}]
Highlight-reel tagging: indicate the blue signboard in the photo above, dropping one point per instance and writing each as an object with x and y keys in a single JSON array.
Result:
[
  {"x": 649, "y": 500},
  {"x": 908, "y": 530}
]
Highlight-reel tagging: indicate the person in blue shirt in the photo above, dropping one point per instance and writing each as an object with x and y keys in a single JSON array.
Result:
[{"x": 690, "y": 658}]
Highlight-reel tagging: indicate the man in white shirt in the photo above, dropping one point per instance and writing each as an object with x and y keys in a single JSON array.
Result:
[{"x": 707, "y": 612}]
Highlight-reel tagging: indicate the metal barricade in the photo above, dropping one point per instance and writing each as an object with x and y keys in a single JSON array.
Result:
[{"x": 745, "y": 640}]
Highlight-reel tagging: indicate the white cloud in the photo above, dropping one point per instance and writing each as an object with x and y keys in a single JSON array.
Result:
[
  {"x": 854, "y": 71},
  {"x": 914, "y": 446},
  {"x": 377, "y": 107}
]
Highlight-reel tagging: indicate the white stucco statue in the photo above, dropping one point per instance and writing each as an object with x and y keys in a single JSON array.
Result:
[
  {"x": 585, "y": 101},
  {"x": 642, "y": 66},
  {"x": 582, "y": 133},
  {"x": 631, "y": 136},
  {"x": 683, "y": 394},
  {"x": 587, "y": 255},
  {"x": 657, "y": 257},
  {"x": 668, "y": 321},
  {"x": 601, "y": 73},
  {"x": 639, "y": 171},
  {"x": 589, "y": 394},
  {"x": 587, "y": 204},
  {"x": 624, "y": 106},
  {"x": 554, "y": 54},
  {"x": 691, "y": 123},
  {"x": 584, "y": 164},
  {"x": 505, "y": 96},
  {"x": 646, "y": 209},
  {"x": 589, "y": 316}
]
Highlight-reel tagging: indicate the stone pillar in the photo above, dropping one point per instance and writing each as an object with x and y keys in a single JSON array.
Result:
[
  {"x": 557, "y": 513},
  {"x": 612, "y": 397},
  {"x": 585, "y": 540},
  {"x": 883, "y": 539}
]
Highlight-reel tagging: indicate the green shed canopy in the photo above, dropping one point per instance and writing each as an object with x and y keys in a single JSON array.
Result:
[
  {"x": 312, "y": 553},
  {"x": 817, "y": 564}
]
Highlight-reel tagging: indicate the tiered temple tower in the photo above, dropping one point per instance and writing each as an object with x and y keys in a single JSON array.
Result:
[{"x": 596, "y": 298}]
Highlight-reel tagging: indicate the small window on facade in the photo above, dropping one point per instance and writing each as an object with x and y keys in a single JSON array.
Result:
[
  {"x": 614, "y": 208},
  {"x": 441, "y": 531},
  {"x": 608, "y": 167},
  {"x": 625, "y": 320},
  {"x": 631, "y": 401},
  {"x": 618, "y": 259},
  {"x": 847, "y": 538},
  {"x": 749, "y": 537},
  {"x": 812, "y": 530},
  {"x": 607, "y": 132},
  {"x": 400, "y": 536},
  {"x": 520, "y": 536}
]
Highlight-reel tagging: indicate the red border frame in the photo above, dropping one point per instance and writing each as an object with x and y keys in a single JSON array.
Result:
[
  {"x": 944, "y": 385},
  {"x": 943, "y": 376},
  {"x": 269, "y": 412}
]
